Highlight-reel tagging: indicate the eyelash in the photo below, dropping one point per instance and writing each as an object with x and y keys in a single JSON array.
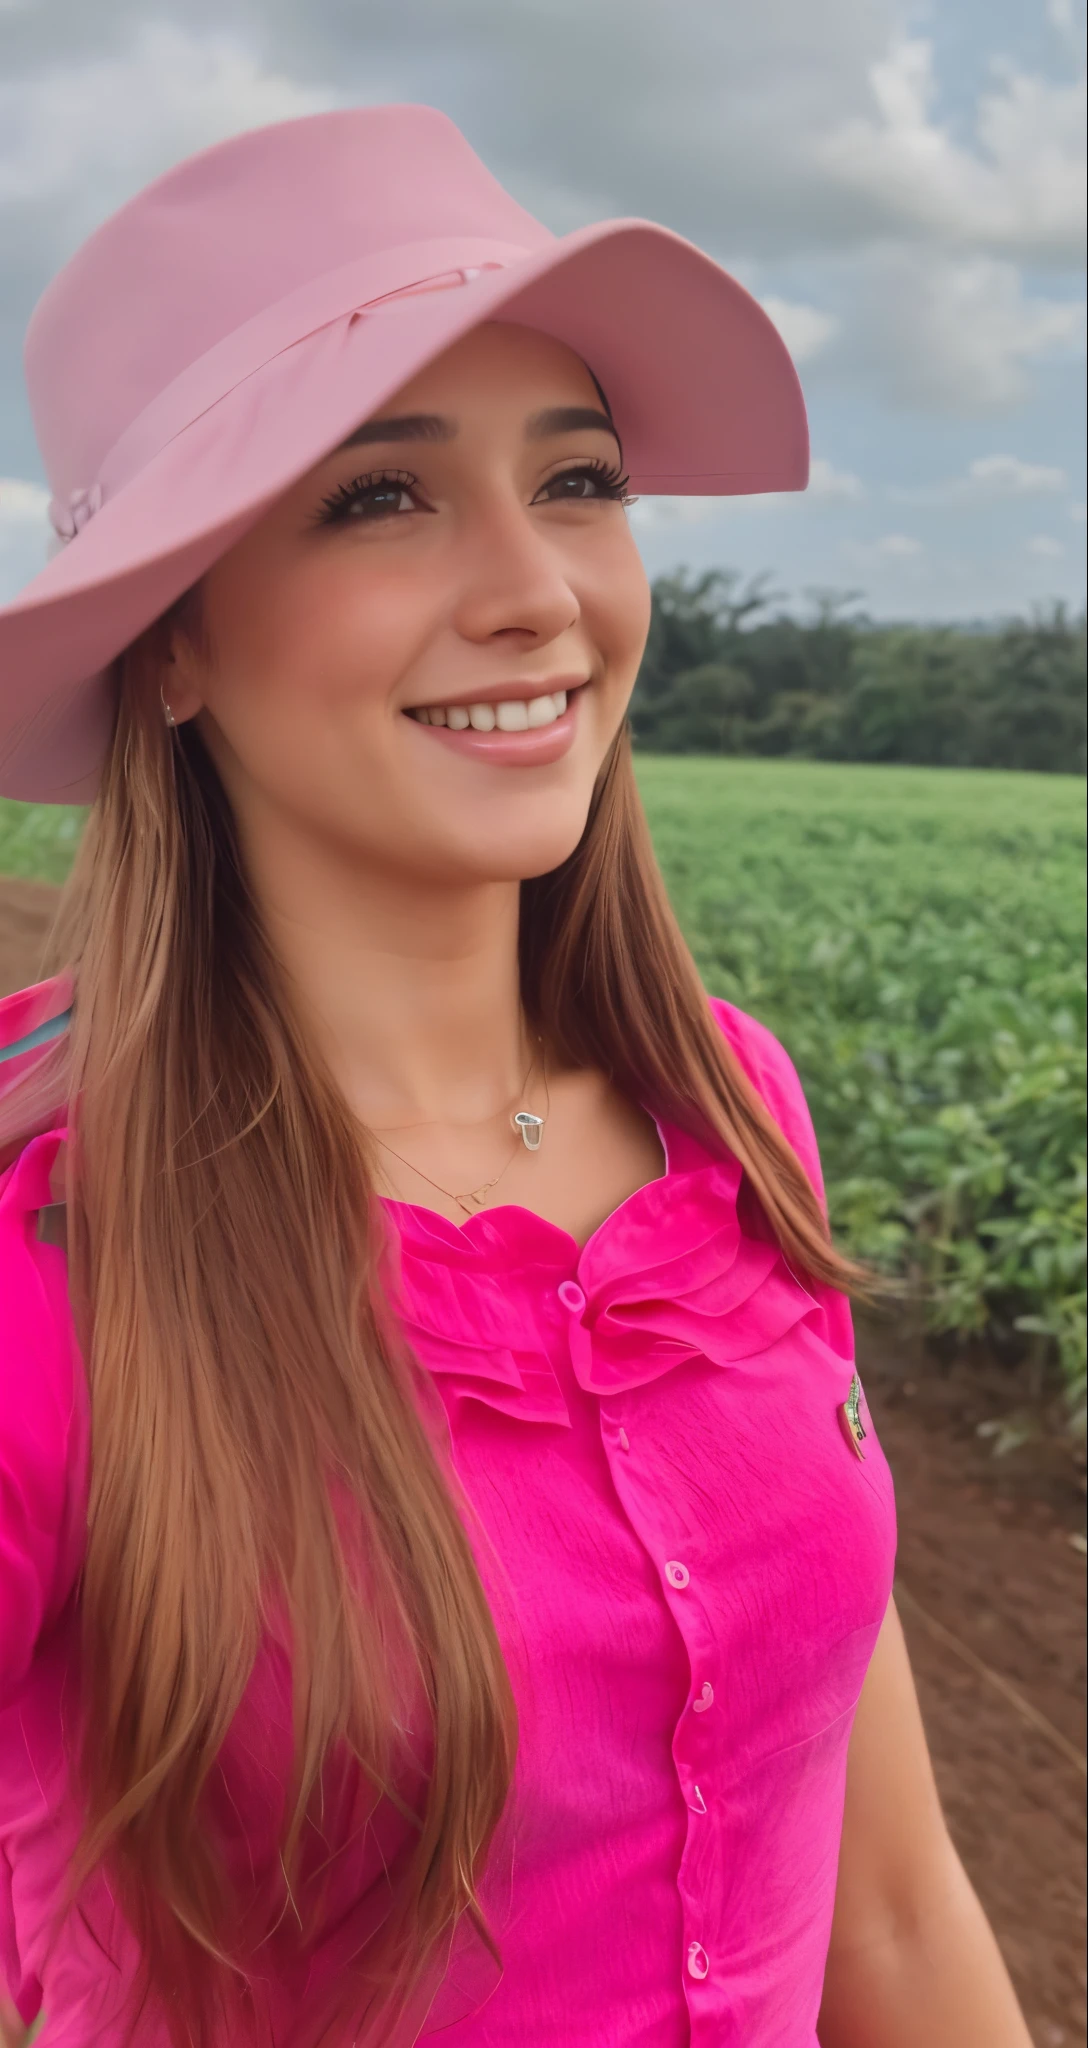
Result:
[{"x": 336, "y": 508}]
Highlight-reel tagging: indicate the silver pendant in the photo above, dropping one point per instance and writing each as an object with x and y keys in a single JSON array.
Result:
[{"x": 530, "y": 1127}]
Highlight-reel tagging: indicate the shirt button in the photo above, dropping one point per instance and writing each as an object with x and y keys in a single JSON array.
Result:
[
  {"x": 677, "y": 1574},
  {"x": 705, "y": 1699},
  {"x": 698, "y": 1960},
  {"x": 571, "y": 1296}
]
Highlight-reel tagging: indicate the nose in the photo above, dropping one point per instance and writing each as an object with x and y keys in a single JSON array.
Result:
[{"x": 515, "y": 580}]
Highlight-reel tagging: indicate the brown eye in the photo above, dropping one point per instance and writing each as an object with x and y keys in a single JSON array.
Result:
[
  {"x": 368, "y": 499},
  {"x": 589, "y": 482}
]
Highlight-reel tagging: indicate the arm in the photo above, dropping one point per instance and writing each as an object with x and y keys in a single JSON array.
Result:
[
  {"x": 13, "y": 2034},
  {"x": 912, "y": 1961}
]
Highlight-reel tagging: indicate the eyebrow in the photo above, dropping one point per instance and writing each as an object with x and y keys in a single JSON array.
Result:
[
  {"x": 568, "y": 419},
  {"x": 432, "y": 426}
]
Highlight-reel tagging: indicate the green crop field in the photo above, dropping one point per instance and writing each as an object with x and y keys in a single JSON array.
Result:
[
  {"x": 916, "y": 938},
  {"x": 38, "y": 841}
]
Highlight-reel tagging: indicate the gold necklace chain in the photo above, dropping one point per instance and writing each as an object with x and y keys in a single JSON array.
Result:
[{"x": 470, "y": 1201}]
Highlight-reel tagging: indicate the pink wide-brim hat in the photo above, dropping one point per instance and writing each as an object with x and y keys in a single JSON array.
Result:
[{"x": 232, "y": 324}]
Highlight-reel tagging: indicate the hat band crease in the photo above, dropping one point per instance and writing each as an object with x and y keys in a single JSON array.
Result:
[{"x": 364, "y": 286}]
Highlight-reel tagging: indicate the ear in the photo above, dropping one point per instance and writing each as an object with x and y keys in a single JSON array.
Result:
[
  {"x": 181, "y": 683},
  {"x": 183, "y": 661}
]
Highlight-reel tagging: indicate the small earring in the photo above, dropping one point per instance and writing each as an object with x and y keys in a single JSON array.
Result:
[{"x": 166, "y": 711}]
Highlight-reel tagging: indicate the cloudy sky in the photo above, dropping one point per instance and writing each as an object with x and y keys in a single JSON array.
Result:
[{"x": 902, "y": 186}]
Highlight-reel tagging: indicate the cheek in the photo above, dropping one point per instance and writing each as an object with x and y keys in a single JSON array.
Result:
[
  {"x": 335, "y": 636},
  {"x": 615, "y": 598}
]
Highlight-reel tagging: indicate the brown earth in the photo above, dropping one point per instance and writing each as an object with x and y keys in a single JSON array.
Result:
[
  {"x": 991, "y": 1589},
  {"x": 991, "y": 1580},
  {"x": 26, "y": 910}
]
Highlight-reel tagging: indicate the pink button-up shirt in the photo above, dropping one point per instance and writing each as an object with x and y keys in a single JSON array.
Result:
[{"x": 689, "y": 1565}]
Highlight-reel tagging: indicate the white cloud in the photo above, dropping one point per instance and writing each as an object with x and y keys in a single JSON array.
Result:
[
  {"x": 825, "y": 481},
  {"x": 902, "y": 255},
  {"x": 580, "y": 109},
  {"x": 22, "y": 506},
  {"x": 649, "y": 515},
  {"x": 804, "y": 329},
  {"x": 1005, "y": 476},
  {"x": 788, "y": 126},
  {"x": 894, "y": 553},
  {"x": 1019, "y": 189},
  {"x": 989, "y": 477},
  {"x": 89, "y": 134},
  {"x": 1046, "y": 547},
  {"x": 958, "y": 334},
  {"x": 897, "y": 547},
  {"x": 892, "y": 562},
  {"x": 1063, "y": 18},
  {"x": 25, "y": 533},
  {"x": 784, "y": 127}
]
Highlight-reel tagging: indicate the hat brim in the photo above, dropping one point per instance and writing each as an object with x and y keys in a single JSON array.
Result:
[{"x": 700, "y": 383}]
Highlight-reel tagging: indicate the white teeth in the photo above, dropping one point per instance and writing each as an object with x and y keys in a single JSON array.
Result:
[{"x": 515, "y": 714}]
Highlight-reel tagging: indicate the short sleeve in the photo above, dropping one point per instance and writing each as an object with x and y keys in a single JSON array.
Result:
[
  {"x": 44, "y": 1420},
  {"x": 772, "y": 1072}
]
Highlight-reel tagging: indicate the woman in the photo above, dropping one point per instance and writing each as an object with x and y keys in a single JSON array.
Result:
[{"x": 446, "y": 1562}]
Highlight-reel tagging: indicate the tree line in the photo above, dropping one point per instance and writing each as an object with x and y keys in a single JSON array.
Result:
[{"x": 726, "y": 672}]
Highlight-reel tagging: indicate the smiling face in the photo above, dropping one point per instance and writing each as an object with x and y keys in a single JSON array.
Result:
[{"x": 419, "y": 656}]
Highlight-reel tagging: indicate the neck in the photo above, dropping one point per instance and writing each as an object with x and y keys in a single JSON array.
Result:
[{"x": 411, "y": 992}]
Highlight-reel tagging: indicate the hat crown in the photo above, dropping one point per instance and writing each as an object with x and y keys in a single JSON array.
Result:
[{"x": 228, "y": 233}]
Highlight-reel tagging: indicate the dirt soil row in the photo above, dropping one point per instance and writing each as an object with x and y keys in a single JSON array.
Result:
[
  {"x": 991, "y": 1571},
  {"x": 991, "y": 1574}
]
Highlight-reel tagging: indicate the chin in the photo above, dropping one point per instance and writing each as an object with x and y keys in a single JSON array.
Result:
[
  {"x": 522, "y": 840},
  {"x": 532, "y": 854}
]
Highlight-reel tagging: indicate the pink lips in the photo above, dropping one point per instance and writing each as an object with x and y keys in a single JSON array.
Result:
[{"x": 512, "y": 749}]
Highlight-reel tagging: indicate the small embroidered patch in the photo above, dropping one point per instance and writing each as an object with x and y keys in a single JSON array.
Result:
[{"x": 853, "y": 1428}]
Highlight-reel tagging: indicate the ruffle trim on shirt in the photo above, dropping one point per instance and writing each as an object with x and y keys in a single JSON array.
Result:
[
  {"x": 672, "y": 1276},
  {"x": 469, "y": 1303}
]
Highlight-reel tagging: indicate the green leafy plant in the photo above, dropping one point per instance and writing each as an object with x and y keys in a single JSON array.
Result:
[
  {"x": 38, "y": 841},
  {"x": 726, "y": 673},
  {"x": 916, "y": 939}
]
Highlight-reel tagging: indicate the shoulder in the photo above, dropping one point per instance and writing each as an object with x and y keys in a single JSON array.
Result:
[
  {"x": 31, "y": 1018},
  {"x": 773, "y": 1074},
  {"x": 44, "y": 1417},
  {"x": 31, "y": 1022}
]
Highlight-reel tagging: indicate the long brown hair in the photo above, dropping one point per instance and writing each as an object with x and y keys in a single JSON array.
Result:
[{"x": 257, "y": 1424}]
